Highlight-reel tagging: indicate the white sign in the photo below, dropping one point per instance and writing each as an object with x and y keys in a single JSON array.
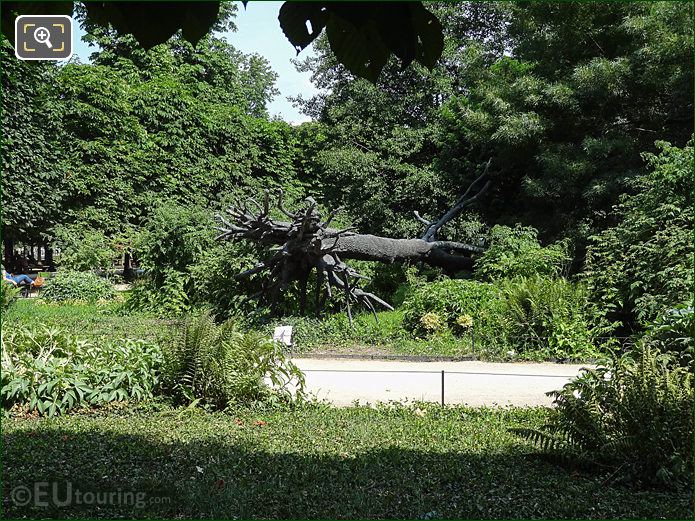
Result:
[{"x": 283, "y": 334}]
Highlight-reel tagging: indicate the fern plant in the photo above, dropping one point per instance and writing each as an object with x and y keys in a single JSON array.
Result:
[
  {"x": 632, "y": 415},
  {"x": 222, "y": 366}
]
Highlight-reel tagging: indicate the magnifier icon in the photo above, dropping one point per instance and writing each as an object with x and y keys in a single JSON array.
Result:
[{"x": 42, "y": 35}]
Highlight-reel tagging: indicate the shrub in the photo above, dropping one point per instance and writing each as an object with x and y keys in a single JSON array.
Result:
[
  {"x": 74, "y": 285},
  {"x": 51, "y": 372},
  {"x": 168, "y": 300},
  {"x": 513, "y": 252},
  {"x": 83, "y": 248},
  {"x": 533, "y": 316},
  {"x": 439, "y": 306},
  {"x": 633, "y": 415},
  {"x": 673, "y": 332},
  {"x": 547, "y": 315},
  {"x": 214, "y": 281},
  {"x": 8, "y": 294},
  {"x": 173, "y": 239},
  {"x": 221, "y": 366},
  {"x": 643, "y": 265}
]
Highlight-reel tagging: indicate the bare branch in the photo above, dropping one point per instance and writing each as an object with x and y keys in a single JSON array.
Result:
[{"x": 463, "y": 202}]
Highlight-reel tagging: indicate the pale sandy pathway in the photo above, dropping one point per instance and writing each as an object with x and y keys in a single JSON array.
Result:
[{"x": 343, "y": 381}]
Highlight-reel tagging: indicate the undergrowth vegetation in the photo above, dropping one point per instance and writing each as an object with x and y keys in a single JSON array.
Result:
[
  {"x": 51, "y": 372},
  {"x": 221, "y": 366},
  {"x": 48, "y": 370},
  {"x": 632, "y": 415},
  {"x": 77, "y": 286}
]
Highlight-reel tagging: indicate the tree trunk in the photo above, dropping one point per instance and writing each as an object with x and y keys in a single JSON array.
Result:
[
  {"x": 49, "y": 259},
  {"x": 127, "y": 269},
  {"x": 8, "y": 245}
]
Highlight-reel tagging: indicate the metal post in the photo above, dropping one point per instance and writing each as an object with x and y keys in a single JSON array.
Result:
[
  {"x": 442, "y": 387},
  {"x": 473, "y": 338}
]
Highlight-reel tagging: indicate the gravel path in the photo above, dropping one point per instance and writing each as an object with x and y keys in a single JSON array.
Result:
[{"x": 341, "y": 381}]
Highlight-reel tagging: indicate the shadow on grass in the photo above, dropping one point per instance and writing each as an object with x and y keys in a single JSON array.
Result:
[{"x": 110, "y": 475}]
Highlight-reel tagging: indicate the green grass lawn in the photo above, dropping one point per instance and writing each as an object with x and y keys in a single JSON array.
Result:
[
  {"x": 88, "y": 320},
  {"x": 314, "y": 462}
]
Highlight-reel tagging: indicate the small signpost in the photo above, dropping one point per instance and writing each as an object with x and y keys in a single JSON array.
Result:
[{"x": 283, "y": 336}]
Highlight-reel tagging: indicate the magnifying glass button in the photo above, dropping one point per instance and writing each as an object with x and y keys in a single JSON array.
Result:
[{"x": 43, "y": 35}]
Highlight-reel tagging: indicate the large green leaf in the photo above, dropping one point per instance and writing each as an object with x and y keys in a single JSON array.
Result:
[
  {"x": 363, "y": 35},
  {"x": 293, "y": 19},
  {"x": 359, "y": 48},
  {"x": 152, "y": 23}
]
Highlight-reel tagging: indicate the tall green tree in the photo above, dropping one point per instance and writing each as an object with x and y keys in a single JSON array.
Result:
[
  {"x": 176, "y": 122},
  {"x": 582, "y": 91},
  {"x": 32, "y": 159},
  {"x": 563, "y": 97}
]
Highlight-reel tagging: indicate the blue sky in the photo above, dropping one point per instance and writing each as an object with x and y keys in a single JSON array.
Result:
[{"x": 258, "y": 31}]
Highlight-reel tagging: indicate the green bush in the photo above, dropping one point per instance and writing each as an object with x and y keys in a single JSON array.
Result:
[
  {"x": 74, "y": 285},
  {"x": 643, "y": 265},
  {"x": 8, "y": 294},
  {"x": 633, "y": 415},
  {"x": 83, "y": 248},
  {"x": 168, "y": 300},
  {"x": 456, "y": 306},
  {"x": 673, "y": 332},
  {"x": 174, "y": 238},
  {"x": 51, "y": 372},
  {"x": 513, "y": 252},
  {"x": 220, "y": 366},
  {"x": 532, "y": 317},
  {"x": 214, "y": 278},
  {"x": 548, "y": 316}
]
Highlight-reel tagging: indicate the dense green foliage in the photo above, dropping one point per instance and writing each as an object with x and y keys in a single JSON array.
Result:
[
  {"x": 513, "y": 252},
  {"x": 134, "y": 129},
  {"x": 83, "y": 248},
  {"x": 75, "y": 285},
  {"x": 531, "y": 317},
  {"x": 222, "y": 367},
  {"x": 583, "y": 112},
  {"x": 674, "y": 332},
  {"x": 633, "y": 414},
  {"x": 8, "y": 295},
  {"x": 387, "y": 462},
  {"x": 32, "y": 174},
  {"x": 562, "y": 97},
  {"x": 643, "y": 265},
  {"x": 50, "y": 369},
  {"x": 51, "y": 372}
]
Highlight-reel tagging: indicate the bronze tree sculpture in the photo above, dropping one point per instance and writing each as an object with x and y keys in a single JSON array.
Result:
[{"x": 306, "y": 242}]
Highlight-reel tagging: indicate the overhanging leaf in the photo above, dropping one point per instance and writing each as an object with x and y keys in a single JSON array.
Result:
[
  {"x": 293, "y": 19},
  {"x": 430, "y": 35},
  {"x": 152, "y": 23},
  {"x": 360, "y": 49}
]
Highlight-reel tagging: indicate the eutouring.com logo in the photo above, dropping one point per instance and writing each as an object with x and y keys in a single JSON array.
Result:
[{"x": 45, "y": 494}]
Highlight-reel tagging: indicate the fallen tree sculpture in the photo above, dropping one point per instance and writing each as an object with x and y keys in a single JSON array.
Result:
[{"x": 306, "y": 242}]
